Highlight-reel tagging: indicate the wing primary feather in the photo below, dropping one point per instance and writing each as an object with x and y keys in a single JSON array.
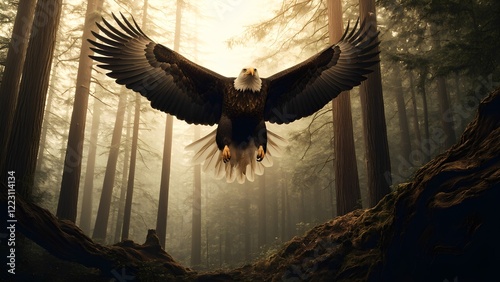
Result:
[
  {"x": 122, "y": 35},
  {"x": 130, "y": 26},
  {"x": 100, "y": 46},
  {"x": 361, "y": 39},
  {"x": 346, "y": 30},
  {"x": 171, "y": 83},
  {"x": 139, "y": 29},
  {"x": 109, "y": 33},
  {"x": 123, "y": 26},
  {"x": 106, "y": 40},
  {"x": 352, "y": 31},
  {"x": 323, "y": 76}
]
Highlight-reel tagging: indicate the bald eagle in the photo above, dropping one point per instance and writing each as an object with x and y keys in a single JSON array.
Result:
[{"x": 241, "y": 146}]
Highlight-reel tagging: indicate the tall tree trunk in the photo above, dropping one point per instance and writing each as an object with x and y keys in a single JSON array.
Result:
[
  {"x": 64, "y": 140},
  {"x": 68, "y": 197},
  {"x": 162, "y": 215},
  {"x": 196, "y": 218},
  {"x": 247, "y": 240},
  {"x": 161, "y": 220},
  {"x": 375, "y": 131},
  {"x": 46, "y": 118},
  {"x": 25, "y": 135},
  {"x": 13, "y": 68},
  {"x": 423, "y": 92},
  {"x": 101, "y": 221},
  {"x": 345, "y": 165},
  {"x": 131, "y": 172},
  {"x": 416, "y": 126},
  {"x": 88, "y": 186},
  {"x": 133, "y": 150},
  {"x": 284, "y": 229},
  {"x": 444, "y": 105},
  {"x": 261, "y": 238},
  {"x": 443, "y": 100},
  {"x": 273, "y": 231},
  {"x": 123, "y": 188},
  {"x": 289, "y": 219},
  {"x": 402, "y": 117}
]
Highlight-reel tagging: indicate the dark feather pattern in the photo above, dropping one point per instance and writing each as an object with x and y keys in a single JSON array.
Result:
[
  {"x": 303, "y": 89},
  {"x": 171, "y": 82}
]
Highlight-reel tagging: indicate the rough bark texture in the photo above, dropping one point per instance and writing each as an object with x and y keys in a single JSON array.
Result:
[
  {"x": 24, "y": 137},
  {"x": 13, "y": 67},
  {"x": 345, "y": 163},
  {"x": 378, "y": 162},
  {"x": 70, "y": 183},
  {"x": 443, "y": 225}
]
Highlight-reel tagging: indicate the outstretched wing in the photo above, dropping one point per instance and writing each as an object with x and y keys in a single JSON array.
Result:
[
  {"x": 305, "y": 88},
  {"x": 171, "y": 82}
]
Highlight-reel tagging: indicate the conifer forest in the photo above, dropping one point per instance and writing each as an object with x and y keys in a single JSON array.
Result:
[{"x": 346, "y": 140}]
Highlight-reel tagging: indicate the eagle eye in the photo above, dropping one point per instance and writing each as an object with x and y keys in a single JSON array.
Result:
[
  {"x": 244, "y": 69},
  {"x": 254, "y": 69}
]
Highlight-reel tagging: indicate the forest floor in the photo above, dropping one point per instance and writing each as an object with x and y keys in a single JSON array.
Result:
[
  {"x": 38, "y": 265},
  {"x": 441, "y": 226}
]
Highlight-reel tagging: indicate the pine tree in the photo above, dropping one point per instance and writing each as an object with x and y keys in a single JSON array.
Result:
[
  {"x": 101, "y": 222},
  {"x": 196, "y": 218},
  {"x": 346, "y": 170},
  {"x": 161, "y": 221},
  {"x": 402, "y": 117},
  {"x": 68, "y": 197},
  {"x": 375, "y": 130},
  {"x": 22, "y": 148},
  {"x": 133, "y": 151},
  {"x": 88, "y": 186},
  {"x": 13, "y": 68},
  {"x": 262, "y": 215}
]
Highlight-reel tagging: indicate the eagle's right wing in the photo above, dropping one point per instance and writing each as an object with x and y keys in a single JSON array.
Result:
[
  {"x": 172, "y": 83},
  {"x": 305, "y": 88}
]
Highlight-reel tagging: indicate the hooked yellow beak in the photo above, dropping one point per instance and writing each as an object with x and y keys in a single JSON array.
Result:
[{"x": 250, "y": 71}]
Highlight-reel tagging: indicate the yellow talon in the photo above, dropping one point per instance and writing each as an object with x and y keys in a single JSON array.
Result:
[
  {"x": 260, "y": 153},
  {"x": 226, "y": 154}
]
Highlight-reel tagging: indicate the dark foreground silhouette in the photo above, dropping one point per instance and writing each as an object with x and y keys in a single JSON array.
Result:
[{"x": 443, "y": 225}]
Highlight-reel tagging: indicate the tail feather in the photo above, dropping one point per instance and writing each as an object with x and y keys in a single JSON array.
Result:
[
  {"x": 202, "y": 147},
  {"x": 275, "y": 143},
  {"x": 243, "y": 163}
]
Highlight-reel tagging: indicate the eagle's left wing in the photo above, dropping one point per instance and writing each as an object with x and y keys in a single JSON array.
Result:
[
  {"x": 305, "y": 88},
  {"x": 172, "y": 83}
]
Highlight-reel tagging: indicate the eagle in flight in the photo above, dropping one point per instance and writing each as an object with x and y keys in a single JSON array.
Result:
[{"x": 241, "y": 146}]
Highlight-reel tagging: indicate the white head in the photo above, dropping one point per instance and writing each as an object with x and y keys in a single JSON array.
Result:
[{"x": 248, "y": 80}]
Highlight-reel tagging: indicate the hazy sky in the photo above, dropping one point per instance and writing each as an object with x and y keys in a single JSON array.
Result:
[{"x": 230, "y": 17}]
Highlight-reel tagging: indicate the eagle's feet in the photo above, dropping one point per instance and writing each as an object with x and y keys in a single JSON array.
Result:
[
  {"x": 260, "y": 153},
  {"x": 226, "y": 154}
]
